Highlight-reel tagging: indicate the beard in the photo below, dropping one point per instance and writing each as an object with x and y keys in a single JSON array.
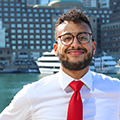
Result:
[{"x": 75, "y": 65}]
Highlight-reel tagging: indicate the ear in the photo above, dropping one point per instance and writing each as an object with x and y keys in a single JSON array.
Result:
[
  {"x": 94, "y": 46},
  {"x": 55, "y": 46}
]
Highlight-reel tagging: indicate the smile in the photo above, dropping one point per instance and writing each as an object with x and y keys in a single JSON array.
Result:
[{"x": 76, "y": 52}]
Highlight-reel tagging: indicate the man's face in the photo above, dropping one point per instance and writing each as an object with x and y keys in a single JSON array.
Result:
[{"x": 75, "y": 56}]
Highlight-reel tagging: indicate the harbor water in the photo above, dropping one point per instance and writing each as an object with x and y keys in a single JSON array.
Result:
[{"x": 10, "y": 84}]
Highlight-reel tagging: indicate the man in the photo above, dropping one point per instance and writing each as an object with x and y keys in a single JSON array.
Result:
[{"x": 49, "y": 98}]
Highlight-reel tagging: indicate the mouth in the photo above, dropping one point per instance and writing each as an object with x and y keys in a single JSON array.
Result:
[{"x": 76, "y": 52}]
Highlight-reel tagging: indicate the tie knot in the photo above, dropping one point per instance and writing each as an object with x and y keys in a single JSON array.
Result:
[{"x": 76, "y": 85}]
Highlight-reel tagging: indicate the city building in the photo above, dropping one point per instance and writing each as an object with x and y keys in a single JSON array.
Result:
[
  {"x": 110, "y": 39},
  {"x": 104, "y": 3},
  {"x": 27, "y": 31},
  {"x": 90, "y": 3}
]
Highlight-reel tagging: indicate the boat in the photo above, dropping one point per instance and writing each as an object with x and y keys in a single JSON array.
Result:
[
  {"x": 106, "y": 64},
  {"x": 49, "y": 63}
]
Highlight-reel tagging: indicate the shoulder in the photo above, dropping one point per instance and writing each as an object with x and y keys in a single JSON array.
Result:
[
  {"x": 105, "y": 81},
  {"x": 41, "y": 83}
]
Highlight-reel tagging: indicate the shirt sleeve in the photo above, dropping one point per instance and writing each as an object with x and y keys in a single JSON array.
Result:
[{"x": 19, "y": 108}]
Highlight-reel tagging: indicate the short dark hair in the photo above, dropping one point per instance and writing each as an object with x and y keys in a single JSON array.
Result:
[{"x": 72, "y": 15}]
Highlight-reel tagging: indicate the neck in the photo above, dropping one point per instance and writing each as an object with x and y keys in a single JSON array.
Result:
[{"x": 75, "y": 74}]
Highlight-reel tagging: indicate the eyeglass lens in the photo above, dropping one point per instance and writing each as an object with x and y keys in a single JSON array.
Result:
[{"x": 69, "y": 38}]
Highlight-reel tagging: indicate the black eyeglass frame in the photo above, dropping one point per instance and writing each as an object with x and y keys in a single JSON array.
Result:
[{"x": 74, "y": 37}]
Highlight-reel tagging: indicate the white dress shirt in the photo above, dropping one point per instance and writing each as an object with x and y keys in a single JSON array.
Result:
[{"x": 48, "y": 98}]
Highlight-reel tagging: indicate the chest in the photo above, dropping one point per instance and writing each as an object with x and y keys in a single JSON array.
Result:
[{"x": 96, "y": 106}]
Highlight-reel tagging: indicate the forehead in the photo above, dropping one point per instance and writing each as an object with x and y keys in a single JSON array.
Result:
[{"x": 71, "y": 27}]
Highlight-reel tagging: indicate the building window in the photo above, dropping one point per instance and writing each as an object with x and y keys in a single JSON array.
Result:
[
  {"x": 37, "y": 31},
  {"x": 19, "y": 47},
  {"x": 42, "y": 15},
  {"x": 37, "y": 42},
  {"x": 42, "y": 20},
  {"x": 24, "y": 15},
  {"x": 8, "y": 45},
  {"x": 48, "y": 15},
  {"x": 37, "y": 36},
  {"x": 37, "y": 25},
  {"x": 49, "y": 31},
  {"x": 5, "y": 9},
  {"x": 43, "y": 47},
  {"x": 6, "y": 14},
  {"x": 29, "y": 10},
  {"x": 110, "y": 12},
  {"x": 25, "y": 25},
  {"x": 31, "y": 36},
  {"x": 90, "y": 11},
  {"x": 19, "y": 36},
  {"x": 36, "y": 20},
  {"x": 37, "y": 47},
  {"x": 19, "y": 41},
  {"x": 43, "y": 42},
  {"x": 49, "y": 25},
  {"x": 46, "y": 10},
  {"x": 31, "y": 47},
  {"x": 12, "y": 20},
  {"x": 25, "y": 31},
  {"x": 24, "y": 20},
  {"x": 26, "y": 36},
  {"x": 13, "y": 36},
  {"x": 13, "y": 47},
  {"x": 103, "y": 16},
  {"x": 19, "y": 26},
  {"x": 31, "y": 25},
  {"x": 18, "y": 15},
  {"x": 6, "y": 19},
  {"x": 18, "y": 9},
  {"x": 43, "y": 36},
  {"x": 43, "y": 31},
  {"x": 49, "y": 36},
  {"x": 100, "y": 11},
  {"x": 13, "y": 42},
  {"x": 95, "y": 11},
  {"x": 48, "y": 20},
  {"x": 42, "y": 25},
  {"x": 52, "y": 11},
  {"x": 34, "y": 10},
  {"x": 36, "y": 15},
  {"x": 30, "y": 20},
  {"x": 25, "y": 47},
  {"x": 13, "y": 31},
  {"x": 31, "y": 31},
  {"x": 30, "y": 15},
  {"x": 31, "y": 42}
]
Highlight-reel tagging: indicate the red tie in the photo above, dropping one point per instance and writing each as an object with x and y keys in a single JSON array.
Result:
[{"x": 75, "y": 108}]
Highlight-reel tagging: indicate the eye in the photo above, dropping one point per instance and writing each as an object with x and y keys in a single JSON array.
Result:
[
  {"x": 83, "y": 39},
  {"x": 67, "y": 38}
]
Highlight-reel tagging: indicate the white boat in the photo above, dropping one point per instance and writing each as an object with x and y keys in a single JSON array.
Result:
[
  {"x": 106, "y": 64},
  {"x": 49, "y": 63}
]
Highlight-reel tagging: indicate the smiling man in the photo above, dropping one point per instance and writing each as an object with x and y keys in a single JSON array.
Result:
[{"x": 75, "y": 92}]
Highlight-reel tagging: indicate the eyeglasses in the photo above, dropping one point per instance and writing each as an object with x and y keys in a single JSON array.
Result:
[{"x": 68, "y": 38}]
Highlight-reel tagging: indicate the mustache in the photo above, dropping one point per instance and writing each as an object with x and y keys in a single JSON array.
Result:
[{"x": 75, "y": 49}]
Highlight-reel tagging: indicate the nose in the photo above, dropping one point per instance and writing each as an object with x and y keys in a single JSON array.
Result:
[{"x": 75, "y": 43}]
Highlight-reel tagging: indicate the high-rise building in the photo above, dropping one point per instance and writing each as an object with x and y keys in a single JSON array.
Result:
[
  {"x": 90, "y": 3},
  {"x": 27, "y": 30},
  {"x": 104, "y": 3}
]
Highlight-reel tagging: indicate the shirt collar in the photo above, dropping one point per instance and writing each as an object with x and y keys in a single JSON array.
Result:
[{"x": 65, "y": 79}]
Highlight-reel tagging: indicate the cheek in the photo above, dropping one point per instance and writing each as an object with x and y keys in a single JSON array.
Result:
[{"x": 61, "y": 48}]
